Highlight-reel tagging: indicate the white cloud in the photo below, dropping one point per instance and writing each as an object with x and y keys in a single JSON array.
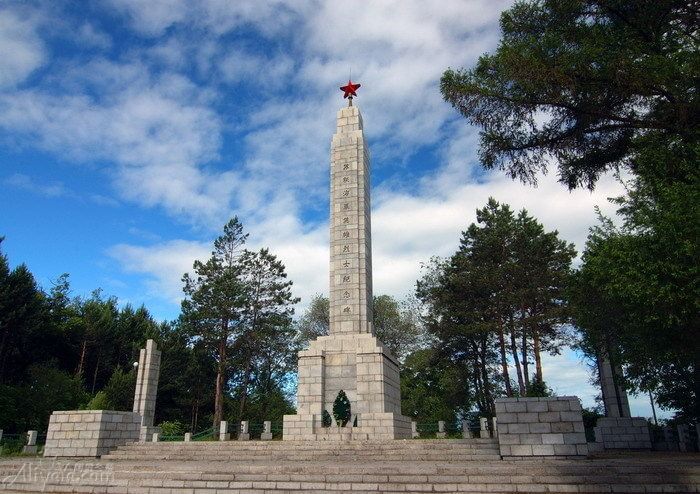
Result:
[
  {"x": 162, "y": 264},
  {"x": 89, "y": 35},
  {"x": 53, "y": 190},
  {"x": 156, "y": 129},
  {"x": 153, "y": 18},
  {"x": 21, "y": 49},
  {"x": 568, "y": 374},
  {"x": 21, "y": 181},
  {"x": 410, "y": 227},
  {"x": 162, "y": 130}
]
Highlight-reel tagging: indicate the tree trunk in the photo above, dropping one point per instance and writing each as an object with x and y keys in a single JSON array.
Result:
[
  {"x": 94, "y": 375},
  {"x": 538, "y": 357},
  {"x": 485, "y": 377},
  {"x": 81, "y": 362},
  {"x": 3, "y": 342},
  {"x": 514, "y": 350},
  {"x": 478, "y": 386},
  {"x": 194, "y": 419},
  {"x": 526, "y": 364},
  {"x": 504, "y": 362},
  {"x": 244, "y": 390},
  {"x": 220, "y": 379}
]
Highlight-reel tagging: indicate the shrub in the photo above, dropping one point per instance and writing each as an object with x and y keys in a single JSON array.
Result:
[
  {"x": 173, "y": 428},
  {"x": 326, "y": 420},
  {"x": 538, "y": 389},
  {"x": 99, "y": 402},
  {"x": 341, "y": 409}
]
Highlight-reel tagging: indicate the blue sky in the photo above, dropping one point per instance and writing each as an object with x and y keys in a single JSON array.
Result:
[{"x": 131, "y": 130}]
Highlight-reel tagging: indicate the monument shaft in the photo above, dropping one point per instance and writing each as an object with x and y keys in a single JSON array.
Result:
[
  {"x": 350, "y": 359},
  {"x": 351, "y": 246}
]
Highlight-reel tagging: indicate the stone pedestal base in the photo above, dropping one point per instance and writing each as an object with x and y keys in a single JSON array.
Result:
[
  {"x": 90, "y": 433},
  {"x": 369, "y": 426},
  {"x": 244, "y": 436},
  {"x": 266, "y": 436},
  {"x": 359, "y": 365},
  {"x": 623, "y": 433},
  {"x": 29, "y": 450}
]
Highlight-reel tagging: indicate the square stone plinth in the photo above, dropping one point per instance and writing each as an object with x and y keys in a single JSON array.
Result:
[
  {"x": 623, "y": 433},
  {"x": 359, "y": 365},
  {"x": 90, "y": 433},
  {"x": 541, "y": 427}
]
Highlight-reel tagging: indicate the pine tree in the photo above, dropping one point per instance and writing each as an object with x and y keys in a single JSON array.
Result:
[
  {"x": 501, "y": 292},
  {"x": 586, "y": 85},
  {"x": 266, "y": 344},
  {"x": 341, "y": 409},
  {"x": 215, "y": 301}
]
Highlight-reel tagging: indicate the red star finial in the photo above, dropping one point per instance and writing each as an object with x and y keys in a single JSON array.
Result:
[{"x": 349, "y": 90}]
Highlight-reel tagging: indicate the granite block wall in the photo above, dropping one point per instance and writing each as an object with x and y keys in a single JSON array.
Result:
[
  {"x": 623, "y": 433},
  {"x": 90, "y": 433},
  {"x": 541, "y": 427}
]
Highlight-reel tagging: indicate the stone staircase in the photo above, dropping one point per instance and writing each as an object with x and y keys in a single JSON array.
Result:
[
  {"x": 451, "y": 451},
  {"x": 409, "y": 466}
]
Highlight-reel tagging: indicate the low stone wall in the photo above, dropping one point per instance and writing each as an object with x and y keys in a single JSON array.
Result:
[
  {"x": 90, "y": 433},
  {"x": 622, "y": 433},
  {"x": 541, "y": 427}
]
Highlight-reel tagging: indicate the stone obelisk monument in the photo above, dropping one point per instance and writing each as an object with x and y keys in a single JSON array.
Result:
[
  {"x": 147, "y": 389},
  {"x": 350, "y": 358}
]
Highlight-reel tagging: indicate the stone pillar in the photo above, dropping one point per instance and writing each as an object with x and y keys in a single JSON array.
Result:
[
  {"x": 244, "y": 434},
  {"x": 441, "y": 434},
  {"x": 466, "y": 433},
  {"x": 30, "y": 447},
  {"x": 684, "y": 443},
  {"x": 351, "y": 246},
  {"x": 484, "y": 428},
  {"x": 188, "y": 437},
  {"x": 223, "y": 431},
  {"x": 350, "y": 358},
  {"x": 147, "y": 388},
  {"x": 414, "y": 430},
  {"x": 618, "y": 429},
  {"x": 494, "y": 426},
  {"x": 155, "y": 437},
  {"x": 267, "y": 431},
  {"x": 670, "y": 441},
  {"x": 0, "y": 435},
  {"x": 614, "y": 393}
]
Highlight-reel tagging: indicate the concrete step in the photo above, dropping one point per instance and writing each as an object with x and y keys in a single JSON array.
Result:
[
  {"x": 447, "y": 444},
  {"x": 648, "y": 474},
  {"x": 447, "y": 451}
]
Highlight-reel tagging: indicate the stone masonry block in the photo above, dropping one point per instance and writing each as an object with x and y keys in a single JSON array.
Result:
[
  {"x": 563, "y": 426},
  {"x": 517, "y": 407},
  {"x": 526, "y": 417},
  {"x": 548, "y": 427},
  {"x": 90, "y": 433},
  {"x": 559, "y": 406},
  {"x": 537, "y": 406}
]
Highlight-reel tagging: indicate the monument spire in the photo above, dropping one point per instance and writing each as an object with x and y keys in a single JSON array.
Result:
[
  {"x": 350, "y": 362},
  {"x": 351, "y": 249}
]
